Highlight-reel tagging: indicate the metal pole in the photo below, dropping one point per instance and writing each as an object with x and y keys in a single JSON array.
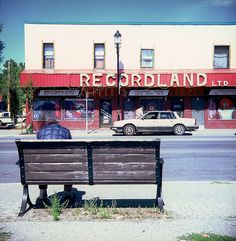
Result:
[
  {"x": 9, "y": 84},
  {"x": 86, "y": 113},
  {"x": 118, "y": 83}
]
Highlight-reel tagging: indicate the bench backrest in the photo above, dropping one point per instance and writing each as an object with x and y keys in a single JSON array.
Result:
[{"x": 88, "y": 162}]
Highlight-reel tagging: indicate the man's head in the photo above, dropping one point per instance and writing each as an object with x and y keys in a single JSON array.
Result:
[{"x": 51, "y": 121}]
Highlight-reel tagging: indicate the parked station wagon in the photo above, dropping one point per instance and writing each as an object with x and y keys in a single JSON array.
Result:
[{"x": 156, "y": 121}]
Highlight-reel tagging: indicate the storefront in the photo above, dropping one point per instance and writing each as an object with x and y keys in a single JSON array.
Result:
[
  {"x": 202, "y": 95},
  {"x": 73, "y": 71}
]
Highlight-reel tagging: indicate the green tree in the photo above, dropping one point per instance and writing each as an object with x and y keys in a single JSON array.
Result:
[
  {"x": 10, "y": 86},
  {"x": 2, "y": 44}
]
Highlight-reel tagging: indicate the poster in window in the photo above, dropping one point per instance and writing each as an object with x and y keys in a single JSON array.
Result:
[
  {"x": 76, "y": 109},
  {"x": 222, "y": 108},
  {"x": 46, "y": 109}
]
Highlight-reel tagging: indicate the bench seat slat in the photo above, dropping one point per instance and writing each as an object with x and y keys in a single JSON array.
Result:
[
  {"x": 124, "y": 181},
  {"x": 75, "y": 175},
  {"x": 57, "y": 158},
  {"x": 56, "y": 151},
  {"x": 121, "y": 166},
  {"x": 57, "y": 182},
  {"x": 39, "y": 167},
  {"x": 123, "y": 158},
  {"x": 125, "y": 150},
  {"x": 124, "y": 175}
]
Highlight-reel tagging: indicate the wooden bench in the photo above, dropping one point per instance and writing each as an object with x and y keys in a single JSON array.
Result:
[{"x": 45, "y": 162}]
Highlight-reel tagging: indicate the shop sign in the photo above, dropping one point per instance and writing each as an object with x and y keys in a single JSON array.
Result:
[
  {"x": 161, "y": 80},
  {"x": 64, "y": 92},
  {"x": 148, "y": 92},
  {"x": 132, "y": 80},
  {"x": 222, "y": 92}
]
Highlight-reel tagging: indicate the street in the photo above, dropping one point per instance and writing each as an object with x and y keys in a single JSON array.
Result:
[{"x": 187, "y": 158}]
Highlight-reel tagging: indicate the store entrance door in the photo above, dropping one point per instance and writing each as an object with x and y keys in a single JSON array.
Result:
[
  {"x": 151, "y": 104},
  {"x": 198, "y": 110},
  {"x": 129, "y": 112},
  {"x": 105, "y": 116}
]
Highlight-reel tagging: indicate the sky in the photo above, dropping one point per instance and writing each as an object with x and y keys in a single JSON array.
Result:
[{"x": 14, "y": 13}]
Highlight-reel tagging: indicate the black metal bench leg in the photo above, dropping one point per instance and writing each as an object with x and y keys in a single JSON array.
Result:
[
  {"x": 159, "y": 201},
  {"x": 25, "y": 200}
]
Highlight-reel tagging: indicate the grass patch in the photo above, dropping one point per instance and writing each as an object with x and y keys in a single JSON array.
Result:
[
  {"x": 4, "y": 235},
  {"x": 205, "y": 237},
  {"x": 95, "y": 209}
]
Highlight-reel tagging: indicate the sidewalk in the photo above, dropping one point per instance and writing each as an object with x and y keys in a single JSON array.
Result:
[
  {"x": 192, "y": 207},
  {"x": 20, "y": 133}
]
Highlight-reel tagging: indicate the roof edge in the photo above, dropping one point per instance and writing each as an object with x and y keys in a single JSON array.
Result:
[{"x": 128, "y": 23}]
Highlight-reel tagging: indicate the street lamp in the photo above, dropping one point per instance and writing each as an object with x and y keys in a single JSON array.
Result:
[{"x": 117, "y": 40}]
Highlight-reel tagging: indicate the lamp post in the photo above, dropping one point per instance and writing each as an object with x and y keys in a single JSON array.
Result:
[{"x": 117, "y": 40}]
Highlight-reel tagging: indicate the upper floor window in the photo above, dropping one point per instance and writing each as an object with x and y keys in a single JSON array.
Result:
[
  {"x": 48, "y": 56},
  {"x": 99, "y": 56},
  {"x": 221, "y": 57},
  {"x": 147, "y": 58}
]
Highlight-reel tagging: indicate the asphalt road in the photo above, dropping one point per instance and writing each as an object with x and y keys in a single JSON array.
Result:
[
  {"x": 186, "y": 159},
  {"x": 199, "y": 160}
]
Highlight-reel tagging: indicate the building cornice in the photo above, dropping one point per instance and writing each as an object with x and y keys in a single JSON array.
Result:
[{"x": 129, "y": 23}]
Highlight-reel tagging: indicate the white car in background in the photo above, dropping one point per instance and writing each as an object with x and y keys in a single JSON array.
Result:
[
  {"x": 6, "y": 119},
  {"x": 20, "y": 119},
  {"x": 156, "y": 121}
]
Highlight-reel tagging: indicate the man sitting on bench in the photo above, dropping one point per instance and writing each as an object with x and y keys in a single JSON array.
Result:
[{"x": 52, "y": 130}]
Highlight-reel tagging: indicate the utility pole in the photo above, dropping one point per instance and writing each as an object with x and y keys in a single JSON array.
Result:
[
  {"x": 86, "y": 109},
  {"x": 9, "y": 81}
]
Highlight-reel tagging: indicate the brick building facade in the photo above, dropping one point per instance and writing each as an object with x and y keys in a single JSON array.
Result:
[{"x": 187, "y": 68}]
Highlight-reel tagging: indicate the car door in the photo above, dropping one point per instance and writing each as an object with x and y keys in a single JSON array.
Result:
[
  {"x": 166, "y": 121},
  {"x": 148, "y": 123}
]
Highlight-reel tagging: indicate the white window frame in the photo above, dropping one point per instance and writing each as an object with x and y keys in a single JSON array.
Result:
[
  {"x": 99, "y": 56},
  {"x": 48, "y": 58},
  {"x": 221, "y": 61},
  {"x": 147, "y": 59}
]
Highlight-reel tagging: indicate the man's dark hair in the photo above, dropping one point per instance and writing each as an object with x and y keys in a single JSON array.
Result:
[{"x": 51, "y": 121}]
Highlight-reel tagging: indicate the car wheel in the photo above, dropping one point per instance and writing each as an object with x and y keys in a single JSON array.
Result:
[
  {"x": 129, "y": 130},
  {"x": 179, "y": 130},
  {"x": 0, "y": 123}
]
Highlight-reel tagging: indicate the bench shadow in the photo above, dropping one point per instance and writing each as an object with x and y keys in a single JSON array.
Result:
[{"x": 77, "y": 201}]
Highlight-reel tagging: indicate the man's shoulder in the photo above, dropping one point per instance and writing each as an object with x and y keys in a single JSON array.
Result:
[{"x": 63, "y": 128}]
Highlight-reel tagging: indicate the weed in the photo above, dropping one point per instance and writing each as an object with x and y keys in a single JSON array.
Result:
[
  {"x": 4, "y": 236},
  {"x": 114, "y": 208},
  {"x": 29, "y": 129},
  {"x": 205, "y": 237},
  {"x": 104, "y": 213},
  {"x": 56, "y": 207},
  {"x": 91, "y": 206},
  {"x": 94, "y": 209}
]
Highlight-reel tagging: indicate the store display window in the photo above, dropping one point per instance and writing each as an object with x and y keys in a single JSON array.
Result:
[
  {"x": 76, "y": 109},
  {"x": 44, "y": 109},
  {"x": 222, "y": 108}
]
